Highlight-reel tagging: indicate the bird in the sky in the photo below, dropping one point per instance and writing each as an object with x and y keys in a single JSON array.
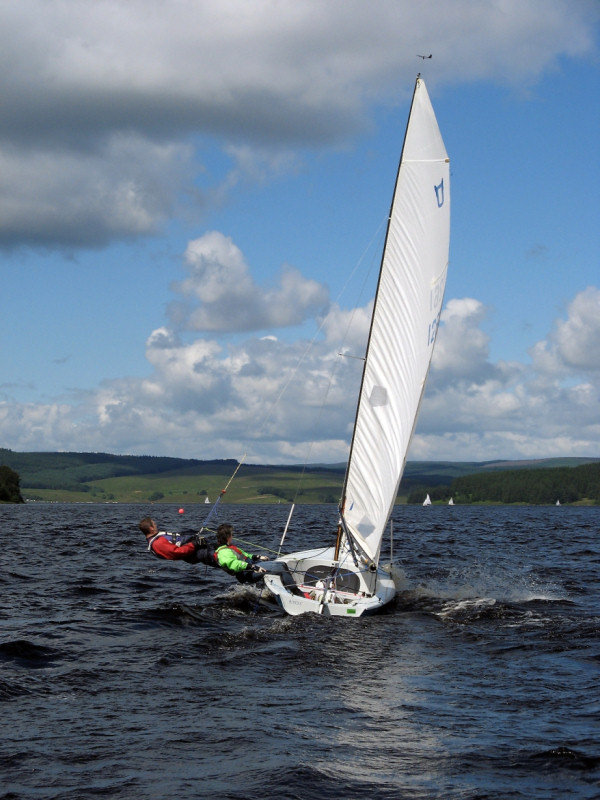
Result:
[{"x": 429, "y": 56}]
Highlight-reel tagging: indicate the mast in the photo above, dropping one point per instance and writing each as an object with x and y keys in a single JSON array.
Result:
[
  {"x": 362, "y": 380},
  {"x": 406, "y": 313}
]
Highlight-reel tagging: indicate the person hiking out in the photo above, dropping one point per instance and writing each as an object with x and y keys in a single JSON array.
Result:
[
  {"x": 237, "y": 562},
  {"x": 190, "y": 547}
]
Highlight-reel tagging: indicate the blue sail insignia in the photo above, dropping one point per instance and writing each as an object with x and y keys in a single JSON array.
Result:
[{"x": 439, "y": 193}]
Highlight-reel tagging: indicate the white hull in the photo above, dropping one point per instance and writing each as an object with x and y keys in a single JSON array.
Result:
[{"x": 306, "y": 586}]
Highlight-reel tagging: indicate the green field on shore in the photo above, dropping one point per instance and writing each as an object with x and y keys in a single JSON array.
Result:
[{"x": 102, "y": 477}]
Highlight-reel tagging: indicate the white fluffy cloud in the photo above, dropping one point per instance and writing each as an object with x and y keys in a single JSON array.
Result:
[
  {"x": 81, "y": 82},
  {"x": 532, "y": 410},
  {"x": 573, "y": 347},
  {"x": 220, "y": 294},
  {"x": 108, "y": 110},
  {"x": 271, "y": 398},
  {"x": 462, "y": 351}
]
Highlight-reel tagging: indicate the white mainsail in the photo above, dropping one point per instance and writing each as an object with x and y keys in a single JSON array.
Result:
[
  {"x": 339, "y": 580},
  {"x": 404, "y": 326}
]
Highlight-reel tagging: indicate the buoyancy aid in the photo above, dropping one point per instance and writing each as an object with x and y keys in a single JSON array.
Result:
[
  {"x": 151, "y": 542},
  {"x": 241, "y": 555},
  {"x": 241, "y": 558},
  {"x": 177, "y": 547}
]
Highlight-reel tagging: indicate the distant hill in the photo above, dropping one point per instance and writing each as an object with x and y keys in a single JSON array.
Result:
[
  {"x": 578, "y": 484},
  {"x": 102, "y": 477}
]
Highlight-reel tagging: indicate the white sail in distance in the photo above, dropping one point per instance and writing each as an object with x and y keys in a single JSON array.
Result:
[{"x": 403, "y": 329}]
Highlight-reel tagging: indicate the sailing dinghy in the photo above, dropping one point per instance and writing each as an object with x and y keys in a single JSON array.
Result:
[{"x": 347, "y": 579}]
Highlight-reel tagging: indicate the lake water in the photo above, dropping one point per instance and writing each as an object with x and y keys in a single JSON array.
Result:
[{"x": 127, "y": 677}]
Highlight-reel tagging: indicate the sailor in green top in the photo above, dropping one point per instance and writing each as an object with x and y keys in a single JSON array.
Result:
[{"x": 235, "y": 561}]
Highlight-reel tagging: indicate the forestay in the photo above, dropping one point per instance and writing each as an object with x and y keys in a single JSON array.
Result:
[{"x": 403, "y": 329}]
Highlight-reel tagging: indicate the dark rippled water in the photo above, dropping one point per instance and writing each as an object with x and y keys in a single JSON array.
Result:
[{"x": 127, "y": 677}]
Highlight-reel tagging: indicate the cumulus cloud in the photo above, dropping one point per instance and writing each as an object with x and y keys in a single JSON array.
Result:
[
  {"x": 285, "y": 401},
  {"x": 221, "y": 295},
  {"x": 263, "y": 397},
  {"x": 81, "y": 82},
  {"x": 124, "y": 188},
  {"x": 463, "y": 349},
  {"x": 573, "y": 346},
  {"x": 204, "y": 399},
  {"x": 532, "y": 410}
]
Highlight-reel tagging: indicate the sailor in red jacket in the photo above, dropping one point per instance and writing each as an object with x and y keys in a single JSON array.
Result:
[{"x": 175, "y": 546}]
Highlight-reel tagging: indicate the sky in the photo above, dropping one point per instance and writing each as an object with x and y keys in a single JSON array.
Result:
[{"x": 193, "y": 196}]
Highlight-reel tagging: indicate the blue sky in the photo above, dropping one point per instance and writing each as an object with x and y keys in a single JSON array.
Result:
[{"x": 186, "y": 187}]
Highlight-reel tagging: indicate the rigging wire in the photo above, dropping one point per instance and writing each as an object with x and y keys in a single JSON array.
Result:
[
  {"x": 215, "y": 507},
  {"x": 268, "y": 415},
  {"x": 335, "y": 303},
  {"x": 333, "y": 373}
]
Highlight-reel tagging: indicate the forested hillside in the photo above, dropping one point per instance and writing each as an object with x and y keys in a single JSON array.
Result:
[
  {"x": 533, "y": 486},
  {"x": 72, "y": 470},
  {"x": 103, "y": 477}
]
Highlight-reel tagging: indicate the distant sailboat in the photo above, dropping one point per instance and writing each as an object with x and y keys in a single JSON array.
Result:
[
  {"x": 206, "y": 500},
  {"x": 558, "y": 502},
  {"x": 346, "y": 579},
  {"x": 451, "y": 502},
  {"x": 427, "y": 501}
]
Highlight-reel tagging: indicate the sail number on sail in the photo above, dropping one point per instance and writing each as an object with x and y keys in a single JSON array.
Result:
[{"x": 432, "y": 330}]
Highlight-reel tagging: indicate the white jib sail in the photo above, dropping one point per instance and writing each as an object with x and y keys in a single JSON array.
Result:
[{"x": 404, "y": 326}]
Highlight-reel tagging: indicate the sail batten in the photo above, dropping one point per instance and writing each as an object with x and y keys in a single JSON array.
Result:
[{"x": 403, "y": 328}]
